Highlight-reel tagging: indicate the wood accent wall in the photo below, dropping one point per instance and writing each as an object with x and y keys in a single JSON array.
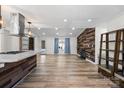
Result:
[{"x": 86, "y": 41}]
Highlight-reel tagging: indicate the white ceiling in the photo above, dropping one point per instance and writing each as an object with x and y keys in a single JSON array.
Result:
[{"x": 47, "y": 17}]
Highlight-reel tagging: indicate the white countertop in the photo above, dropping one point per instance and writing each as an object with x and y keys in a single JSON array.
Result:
[{"x": 9, "y": 58}]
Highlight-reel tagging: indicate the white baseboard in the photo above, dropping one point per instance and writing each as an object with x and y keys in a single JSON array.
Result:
[
  {"x": 90, "y": 61},
  {"x": 87, "y": 60}
]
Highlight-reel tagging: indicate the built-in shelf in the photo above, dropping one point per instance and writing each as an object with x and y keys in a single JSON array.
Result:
[{"x": 112, "y": 67}]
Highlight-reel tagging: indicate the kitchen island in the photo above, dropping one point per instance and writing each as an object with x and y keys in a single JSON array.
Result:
[{"x": 14, "y": 67}]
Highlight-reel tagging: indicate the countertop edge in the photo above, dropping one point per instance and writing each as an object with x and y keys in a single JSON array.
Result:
[{"x": 11, "y": 58}]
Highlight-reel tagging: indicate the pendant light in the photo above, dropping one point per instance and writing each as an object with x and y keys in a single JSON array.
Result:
[
  {"x": 29, "y": 30},
  {"x": 1, "y": 22}
]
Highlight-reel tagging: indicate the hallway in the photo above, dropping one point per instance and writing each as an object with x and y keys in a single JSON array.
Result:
[{"x": 64, "y": 71}]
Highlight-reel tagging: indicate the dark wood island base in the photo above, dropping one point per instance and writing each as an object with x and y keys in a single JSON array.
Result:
[{"x": 13, "y": 72}]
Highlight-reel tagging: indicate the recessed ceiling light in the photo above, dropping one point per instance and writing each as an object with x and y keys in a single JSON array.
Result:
[
  {"x": 43, "y": 33},
  {"x": 70, "y": 33},
  {"x": 89, "y": 20},
  {"x": 65, "y": 20},
  {"x": 39, "y": 28},
  {"x": 57, "y": 33},
  {"x": 73, "y": 28},
  {"x": 56, "y": 28}
]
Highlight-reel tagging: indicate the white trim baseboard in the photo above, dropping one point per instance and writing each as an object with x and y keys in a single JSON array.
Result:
[{"x": 90, "y": 61}]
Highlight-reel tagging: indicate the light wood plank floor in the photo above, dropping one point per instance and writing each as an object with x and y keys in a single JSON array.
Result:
[{"x": 64, "y": 71}]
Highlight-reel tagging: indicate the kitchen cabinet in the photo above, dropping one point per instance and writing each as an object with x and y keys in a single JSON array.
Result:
[{"x": 13, "y": 72}]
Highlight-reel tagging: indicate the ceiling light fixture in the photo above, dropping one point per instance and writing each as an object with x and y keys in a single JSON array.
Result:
[
  {"x": 65, "y": 20},
  {"x": 70, "y": 33},
  {"x": 39, "y": 28},
  {"x": 56, "y": 28},
  {"x": 73, "y": 28},
  {"x": 29, "y": 29},
  {"x": 30, "y": 33},
  {"x": 89, "y": 20},
  {"x": 1, "y": 22}
]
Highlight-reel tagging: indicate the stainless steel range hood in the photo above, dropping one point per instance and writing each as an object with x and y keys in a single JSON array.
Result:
[{"x": 17, "y": 24}]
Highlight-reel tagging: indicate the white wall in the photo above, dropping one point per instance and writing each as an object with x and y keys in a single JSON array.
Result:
[
  {"x": 73, "y": 44},
  {"x": 115, "y": 23},
  {"x": 50, "y": 44},
  {"x": 37, "y": 44},
  {"x": 98, "y": 32}
]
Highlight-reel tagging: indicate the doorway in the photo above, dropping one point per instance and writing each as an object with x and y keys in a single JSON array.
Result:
[
  {"x": 61, "y": 46},
  {"x": 43, "y": 47}
]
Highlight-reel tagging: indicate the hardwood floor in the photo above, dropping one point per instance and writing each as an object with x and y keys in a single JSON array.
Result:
[{"x": 64, "y": 71}]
